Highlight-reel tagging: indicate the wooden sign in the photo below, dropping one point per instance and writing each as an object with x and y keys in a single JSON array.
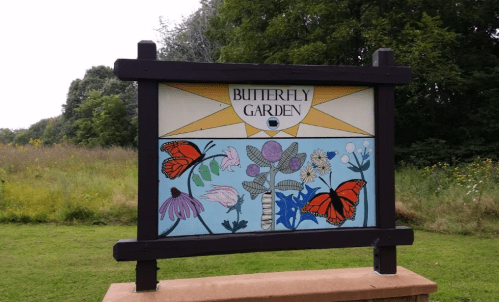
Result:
[{"x": 240, "y": 158}]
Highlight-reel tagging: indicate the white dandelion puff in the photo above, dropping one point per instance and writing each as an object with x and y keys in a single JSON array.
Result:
[
  {"x": 350, "y": 147},
  {"x": 345, "y": 159}
]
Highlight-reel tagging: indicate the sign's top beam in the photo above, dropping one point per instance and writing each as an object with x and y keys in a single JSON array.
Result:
[{"x": 170, "y": 71}]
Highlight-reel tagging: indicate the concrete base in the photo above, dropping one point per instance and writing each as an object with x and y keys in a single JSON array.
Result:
[{"x": 352, "y": 284}]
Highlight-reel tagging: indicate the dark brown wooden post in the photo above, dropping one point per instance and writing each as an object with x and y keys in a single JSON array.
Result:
[
  {"x": 147, "y": 225},
  {"x": 385, "y": 257}
]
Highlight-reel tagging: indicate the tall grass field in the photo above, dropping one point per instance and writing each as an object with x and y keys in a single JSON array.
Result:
[{"x": 67, "y": 184}]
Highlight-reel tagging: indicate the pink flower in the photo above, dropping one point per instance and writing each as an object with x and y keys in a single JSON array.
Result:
[
  {"x": 179, "y": 204},
  {"x": 225, "y": 195},
  {"x": 232, "y": 159}
]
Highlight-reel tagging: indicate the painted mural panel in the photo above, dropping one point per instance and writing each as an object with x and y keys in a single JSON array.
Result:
[{"x": 252, "y": 158}]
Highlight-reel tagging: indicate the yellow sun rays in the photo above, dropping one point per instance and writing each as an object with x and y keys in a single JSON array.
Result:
[
  {"x": 227, "y": 116},
  {"x": 321, "y": 119},
  {"x": 221, "y": 118},
  {"x": 217, "y": 92}
]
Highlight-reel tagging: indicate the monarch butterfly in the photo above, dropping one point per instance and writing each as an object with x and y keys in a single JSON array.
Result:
[
  {"x": 183, "y": 156},
  {"x": 336, "y": 205}
]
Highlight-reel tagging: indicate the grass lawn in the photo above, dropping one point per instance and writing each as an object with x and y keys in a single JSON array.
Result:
[{"x": 45, "y": 262}]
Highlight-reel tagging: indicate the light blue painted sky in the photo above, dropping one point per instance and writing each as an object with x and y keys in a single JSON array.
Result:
[{"x": 215, "y": 213}]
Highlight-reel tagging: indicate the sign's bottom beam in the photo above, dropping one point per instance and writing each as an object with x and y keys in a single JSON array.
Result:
[{"x": 188, "y": 246}]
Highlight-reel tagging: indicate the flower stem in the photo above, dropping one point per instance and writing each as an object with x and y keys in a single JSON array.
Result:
[
  {"x": 202, "y": 221},
  {"x": 237, "y": 222},
  {"x": 273, "y": 172},
  {"x": 293, "y": 227},
  {"x": 365, "y": 191},
  {"x": 190, "y": 190},
  {"x": 298, "y": 225},
  {"x": 165, "y": 233}
]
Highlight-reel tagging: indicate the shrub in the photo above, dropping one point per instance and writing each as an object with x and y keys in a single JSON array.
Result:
[{"x": 78, "y": 212}]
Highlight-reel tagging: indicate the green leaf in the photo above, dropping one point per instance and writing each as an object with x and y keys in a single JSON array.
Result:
[
  {"x": 226, "y": 225},
  {"x": 242, "y": 224},
  {"x": 287, "y": 155},
  {"x": 286, "y": 185},
  {"x": 366, "y": 165},
  {"x": 261, "y": 178},
  {"x": 205, "y": 172},
  {"x": 254, "y": 188},
  {"x": 287, "y": 170},
  {"x": 197, "y": 180},
  {"x": 214, "y": 167},
  {"x": 256, "y": 156},
  {"x": 355, "y": 169}
]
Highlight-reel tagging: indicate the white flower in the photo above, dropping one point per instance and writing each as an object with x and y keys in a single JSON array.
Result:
[
  {"x": 350, "y": 147},
  {"x": 319, "y": 157},
  {"x": 307, "y": 174},
  {"x": 359, "y": 150},
  {"x": 345, "y": 159},
  {"x": 365, "y": 144},
  {"x": 370, "y": 151},
  {"x": 323, "y": 168}
]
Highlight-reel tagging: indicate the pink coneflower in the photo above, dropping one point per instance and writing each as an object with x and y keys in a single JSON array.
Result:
[{"x": 179, "y": 204}]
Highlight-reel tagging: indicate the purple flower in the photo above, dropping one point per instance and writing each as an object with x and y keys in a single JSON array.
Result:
[
  {"x": 253, "y": 170},
  {"x": 272, "y": 151},
  {"x": 179, "y": 204},
  {"x": 232, "y": 159},
  {"x": 225, "y": 195},
  {"x": 294, "y": 164}
]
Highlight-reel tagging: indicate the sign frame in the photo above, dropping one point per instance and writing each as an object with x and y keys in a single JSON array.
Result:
[{"x": 383, "y": 76}]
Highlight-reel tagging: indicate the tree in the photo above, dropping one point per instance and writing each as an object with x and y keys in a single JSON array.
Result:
[
  {"x": 101, "y": 121},
  {"x": 23, "y": 137},
  {"x": 53, "y": 131},
  {"x": 36, "y": 130},
  {"x": 451, "y": 46},
  {"x": 7, "y": 136},
  {"x": 187, "y": 41},
  {"x": 94, "y": 79},
  {"x": 100, "y": 78}
]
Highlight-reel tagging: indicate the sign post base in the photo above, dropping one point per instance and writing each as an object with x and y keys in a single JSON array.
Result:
[{"x": 352, "y": 284}]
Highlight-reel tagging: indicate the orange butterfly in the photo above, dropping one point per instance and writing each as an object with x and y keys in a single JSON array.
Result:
[
  {"x": 337, "y": 205},
  {"x": 183, "y": 156}
]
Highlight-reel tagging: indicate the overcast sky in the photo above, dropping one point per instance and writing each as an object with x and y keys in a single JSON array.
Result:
[{"x": 47, "y": 44}]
